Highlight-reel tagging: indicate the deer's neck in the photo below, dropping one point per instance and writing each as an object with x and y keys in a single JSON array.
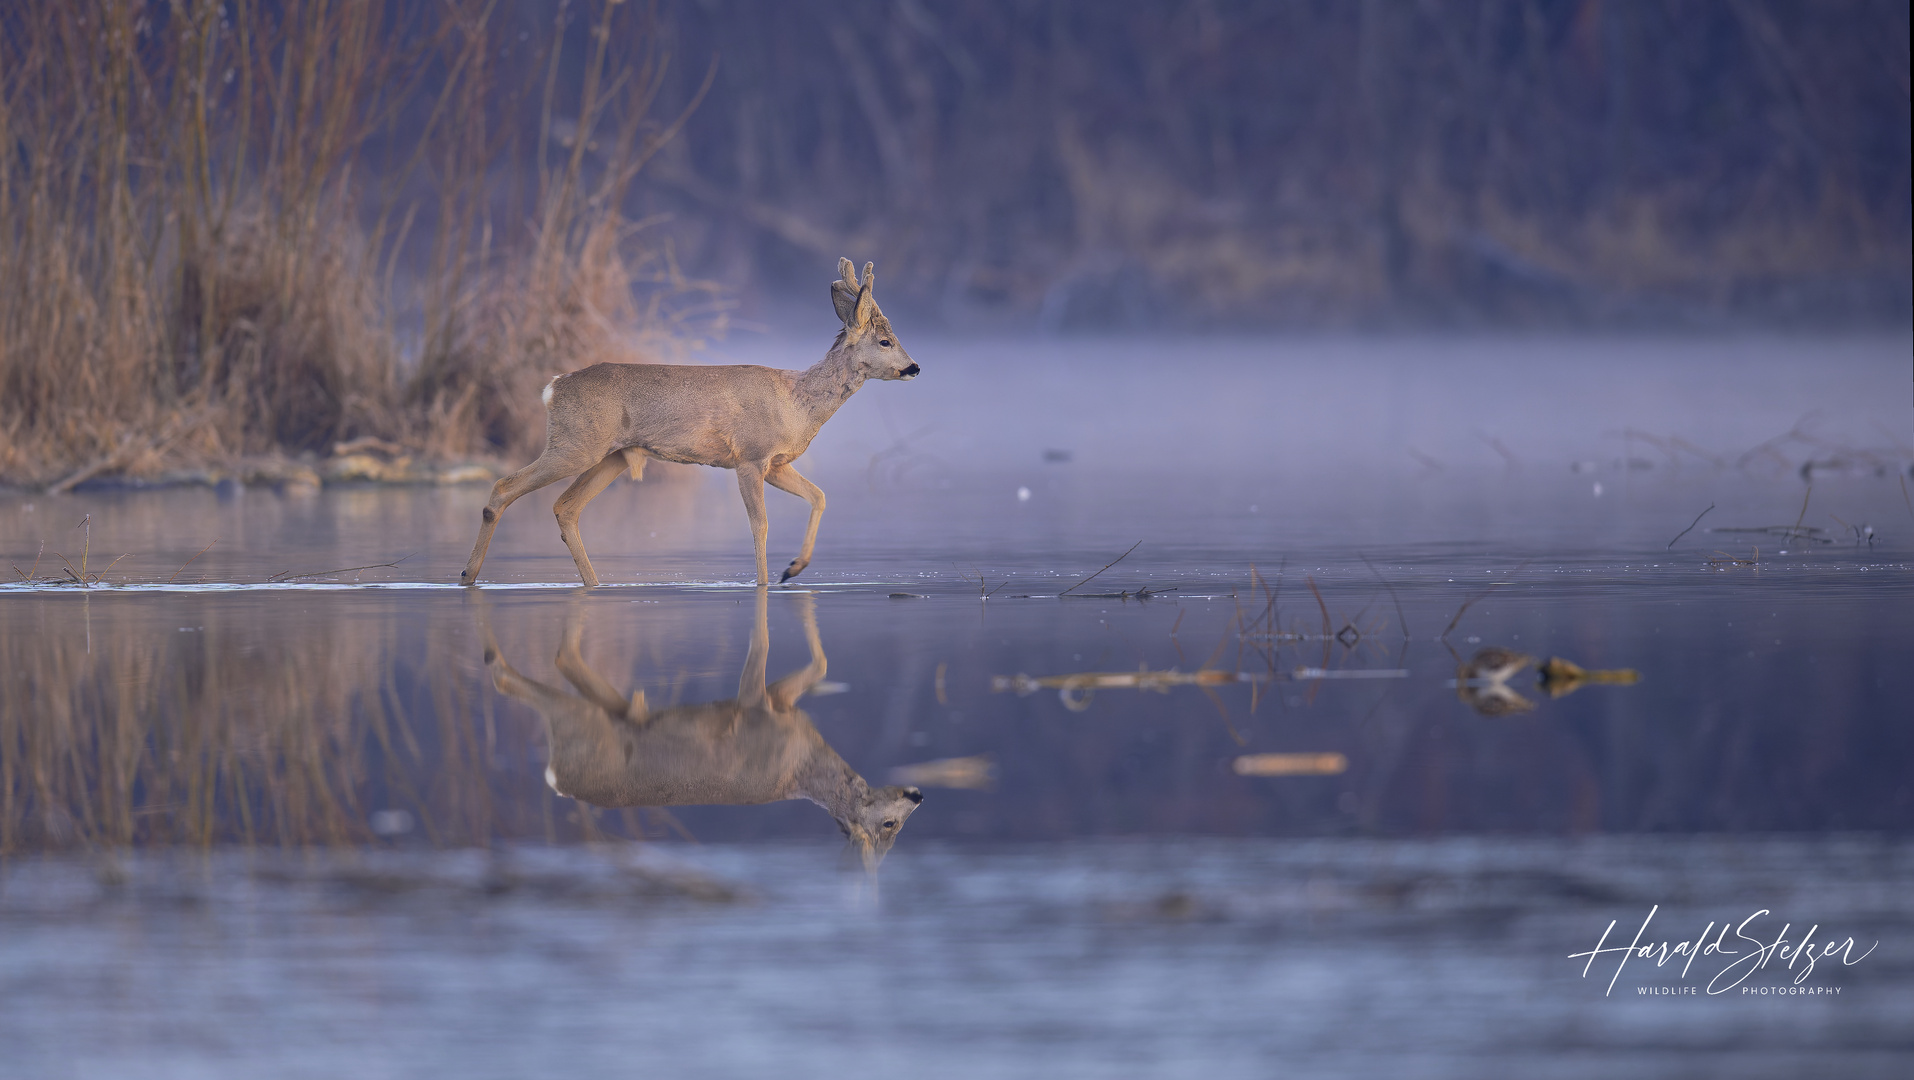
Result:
[
  {"x": 828, "y": 781},
  {"x": 828, "y": 384}
]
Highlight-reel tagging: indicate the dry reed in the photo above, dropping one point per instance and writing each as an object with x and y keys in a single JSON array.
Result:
[{"x": 209, "y": 241}]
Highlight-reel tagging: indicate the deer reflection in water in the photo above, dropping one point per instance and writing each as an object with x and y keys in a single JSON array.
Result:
[{"x": 759, "y": 747}]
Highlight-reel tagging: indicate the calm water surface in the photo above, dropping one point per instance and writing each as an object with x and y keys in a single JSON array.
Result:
[{"x": 261, "y": 818}]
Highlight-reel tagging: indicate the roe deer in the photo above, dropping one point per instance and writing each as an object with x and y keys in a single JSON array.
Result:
[
  {"x": 607, "y": 418},
  {"x": 756, "y": 748}
]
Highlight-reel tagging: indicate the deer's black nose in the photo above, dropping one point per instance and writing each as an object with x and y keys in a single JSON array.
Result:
[{"x": 909, "y": 372}]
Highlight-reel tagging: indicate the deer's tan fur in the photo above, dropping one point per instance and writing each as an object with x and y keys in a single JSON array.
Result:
[
  {"x": 756, "y": 748},
  {"x": 610, "y": 418}
]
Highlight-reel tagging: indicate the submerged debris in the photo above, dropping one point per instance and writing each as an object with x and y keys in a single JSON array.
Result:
[
  {"x": 1482, "y": 682},
  {"x": 976, "y": 773},
  {"x": 1812, "y": 534},
  {"x": 1313, "y": 674},
  {"x": 1077, "y": 690},
  {"x": 1561, "y": 677},
  {"x": 1329, "y": 764}
]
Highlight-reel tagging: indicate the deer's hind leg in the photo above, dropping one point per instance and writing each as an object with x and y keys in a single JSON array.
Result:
[
  {"x": 572, "y": 503},
  {"x": 552, "y": 465},
  {"x": 786, "y": 478}
]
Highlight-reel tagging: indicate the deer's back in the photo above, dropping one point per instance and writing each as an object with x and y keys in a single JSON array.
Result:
[
  {"x": 720, "y": 753},
  {"x": 718, "y": 415}
]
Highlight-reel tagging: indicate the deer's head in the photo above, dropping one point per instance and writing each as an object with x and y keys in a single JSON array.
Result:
[
  {"x": 876, "y": 819},
  {"x": 868, "y": 339}
]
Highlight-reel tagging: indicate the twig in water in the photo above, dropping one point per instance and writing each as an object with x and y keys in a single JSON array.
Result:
[
  {"x": 1466, "y": 604},
  {"x": 76, "y": 575},
  {"x": 1803, "y": 515},
  {"x": 28, "y": 577},
  {"x": 196, "y": 555},
  {"x": 1691, "y": 525},
  {"x": 981, "y": 593},
  {"x": 1106, "y": 566},
  {"x": 1721, "y": 557},
  {"x": 289, "y": 576},
  {"x": 1400, "y": 617},
  {"x": 81, "y": 576},
  {"x": 1223, "y": 711},
  {"x": 1311, "y": 582}
]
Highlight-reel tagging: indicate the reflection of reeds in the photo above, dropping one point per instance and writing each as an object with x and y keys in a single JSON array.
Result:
[
  {"x": 224, "y": 733},
  {"x": 300, "y": 721}
]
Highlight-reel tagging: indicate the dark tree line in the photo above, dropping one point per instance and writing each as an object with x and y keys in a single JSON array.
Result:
[{"x": 1088, "y": 162}]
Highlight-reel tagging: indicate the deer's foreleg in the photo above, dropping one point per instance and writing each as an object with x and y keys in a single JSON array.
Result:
[
  {"x": 571, "y": 664},
  {"x": 550, "y": 466},
  {"x": 751, "y": 486},
  {"x": 786, "y": 691},
  {"x": 786, "y": 478},
  {"x": 572, "y": 503}
]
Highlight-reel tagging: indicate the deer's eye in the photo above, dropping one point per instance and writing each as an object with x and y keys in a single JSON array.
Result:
[
  {"x": 886, "y": 342},
  {"x": 890, "y": 824}
]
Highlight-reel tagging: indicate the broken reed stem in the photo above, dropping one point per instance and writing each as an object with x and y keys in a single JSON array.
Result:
[
  {"x": 1106, "y": 566},
  {"x": 1311, "y": 582},
  {"x": 290, "y": 576},
  {"x": 77, "y": 575},
  {"x": 1400, "y": 617},
  {"x": 1803, "y": 515},
  {"x": 1466, "y": 604},
  {"x": 28, "y": 578},
  {"x": 1697, "y": 521},
  {"x": 196, "y": 555}
]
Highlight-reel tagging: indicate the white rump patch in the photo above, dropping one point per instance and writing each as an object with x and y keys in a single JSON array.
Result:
[
  {"x": 545, "y": 395},
  {"x": 551, "y": 778}
]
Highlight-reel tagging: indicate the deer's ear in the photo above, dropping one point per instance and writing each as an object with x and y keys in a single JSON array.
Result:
[
  {"x": 866, "y": 304},
  {"x": 844, "y": 291},
  {"x": 844, "y": 299}
]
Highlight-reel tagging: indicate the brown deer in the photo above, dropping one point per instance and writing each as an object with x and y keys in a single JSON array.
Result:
[
  {"x": 609, "y": 418},
  {"x": 759, "y": 747}
]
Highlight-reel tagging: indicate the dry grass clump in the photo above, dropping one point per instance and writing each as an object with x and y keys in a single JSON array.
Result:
[{"x": 214, "y": 241}]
